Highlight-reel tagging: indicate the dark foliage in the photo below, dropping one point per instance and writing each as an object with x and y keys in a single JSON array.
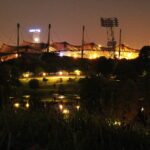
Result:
[{"x": 34, "y": 84}]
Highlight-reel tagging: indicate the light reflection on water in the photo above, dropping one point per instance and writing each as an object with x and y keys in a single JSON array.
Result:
[{"x": 67, "y": 102}]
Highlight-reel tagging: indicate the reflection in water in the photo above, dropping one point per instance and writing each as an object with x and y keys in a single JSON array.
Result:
[{"x": 64, "y": 104}]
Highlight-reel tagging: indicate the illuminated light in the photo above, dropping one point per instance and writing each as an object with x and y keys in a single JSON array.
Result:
[
  {"x": 99, "y": 45},
  {"x": 77, "y": 72},
  {"x": 26, "y": 75},
  {"x": 26, "y": 96},
  {"x": 94, "y": 56},
  {"x": 35, "y": 30},
  {"x": 65, "y": 111},
  {"x": 16, "y": 55},
  {"x": 44, "y": 74},
  {"x": 60, "y": 106},
  {"x": 36, "y": 39},
  {"x": 27, "y": 105},
  {"x": 61, "y": 96},
  {"x": 142, "y": 109},
  {"x": 51, "y": 48},
  {"x": 17, "y": 105},
  {"x": 61, "y": 54},
  {"x": 60, "y": 73},
  {"x": 117, "y": 123},
  {"x": 75, "y": 55},
  {"x": 68, "y": 54},
  {"x": 90, "y": 57},
  {"x": 78, "y": 107},
  {"x": 129, "y": 55}
]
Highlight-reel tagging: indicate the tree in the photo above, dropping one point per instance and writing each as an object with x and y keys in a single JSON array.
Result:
[
  {"x": 34, "y": 84},
  {"x": 104, "y": 66},
  {"x": 90, "y": 92},
  {"x": 145, "y": 52}
]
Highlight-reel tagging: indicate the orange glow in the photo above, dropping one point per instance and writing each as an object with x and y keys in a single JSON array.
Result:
[
  {"x": 60, "y": 73},
  {"x": 75, "y": 56},
  {"x": 60, "y": 106},
  {"x": 44, "y": 74}
]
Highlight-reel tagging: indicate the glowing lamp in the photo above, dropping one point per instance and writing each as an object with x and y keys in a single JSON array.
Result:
[
  {"x": 17, "y": 105},
  {"x": 36, "y": 39},
  {"x": 78, "y": 107},
  {"x": 60, "y": 106},
  {"x": 142, "y": 109},
  {"x": 61, "y": 97},
  {"x": 65, "y": 111},
  {"x": 77, "y": 72},
  {"x": 27, "y": 105},
  {"x": 60, "y": 73},
  {"x": 44, "y": 74},
  {"x": 61, "y": 54},
  {"x": 75, "y": 56}
]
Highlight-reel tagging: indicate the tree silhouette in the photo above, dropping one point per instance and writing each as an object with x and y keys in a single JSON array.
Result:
[{"x": 145, "y": 52}]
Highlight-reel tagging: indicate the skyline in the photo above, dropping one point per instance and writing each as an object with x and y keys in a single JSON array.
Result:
[{"x": 68, "y": 16}]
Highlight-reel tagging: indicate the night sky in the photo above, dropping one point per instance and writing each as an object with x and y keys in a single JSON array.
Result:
[{"x": 68, "y": 16}]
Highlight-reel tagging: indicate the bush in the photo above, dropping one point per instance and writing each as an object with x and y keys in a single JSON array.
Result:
[{"x": 34, "y": 84}]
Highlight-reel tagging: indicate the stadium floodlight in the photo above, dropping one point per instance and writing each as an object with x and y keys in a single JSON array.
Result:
[
  {"x": 34, "y": 30},
  {"x": 35, "y": 34},
  {"x": 109, "y": 22}
]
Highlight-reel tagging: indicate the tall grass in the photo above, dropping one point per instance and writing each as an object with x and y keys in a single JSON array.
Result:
[{"x": 21, "y": 130}]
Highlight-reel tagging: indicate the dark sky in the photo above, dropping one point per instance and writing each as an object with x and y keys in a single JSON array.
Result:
[{"x": 68, "y": 16}]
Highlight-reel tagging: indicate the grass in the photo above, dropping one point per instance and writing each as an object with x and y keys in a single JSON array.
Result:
[
  {"x": 21, "y": 130},
  {"x": 52, "y": 79},
  {"x": 54, "y": 84}
]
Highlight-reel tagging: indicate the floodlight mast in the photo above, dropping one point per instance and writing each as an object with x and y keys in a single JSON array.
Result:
[
  {"x": 109, "y": 23},
  {"x": 83, "y": 30},
  {"x": 48, "y": 40},
  {"x": 18, "y": 36},
  {"x": 35, "y": 34}
]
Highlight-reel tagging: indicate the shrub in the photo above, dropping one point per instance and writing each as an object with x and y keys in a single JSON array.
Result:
[{"x": 34, "y": 84}]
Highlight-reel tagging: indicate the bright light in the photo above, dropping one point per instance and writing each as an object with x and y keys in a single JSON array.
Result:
[
  {"x": 17, "y": 105},
  {"x": 35, "y": 30},
  {"x": 77, "y": 72},
  {"x": 27, "y": 105},
  {"x": 117, "y": 123},
  {"x": 44, "y": 74},
  {"x": 142, "y": 109},
  {"x": 36, "y": 39},
  {"x": 94, "y": 56},
  {"x": 61, "y": 54},
  {"x": 61, "y": 96},
  {"x": 78, "y": 107},
  {"x": 26, "y": 75},
  {"x": 16, "y": 55},
  {"x": 60, "y": 106},
  {"x": 75, "y": 55},
  {"x": 129, "y": 55},
  {"x": 26, "y": 96},
  {"x": 69, "y": 54},
  {"x": 90, "y": 57},
  {"x": 60, "y": 73},
  {"x": 65, "y": 111},
  {"x": 99, "y": 45}
]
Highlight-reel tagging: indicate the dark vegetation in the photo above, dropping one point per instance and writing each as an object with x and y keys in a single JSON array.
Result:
[
  {"x": 40, "y": 130},
  {"x": 112, "y": 90}
]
